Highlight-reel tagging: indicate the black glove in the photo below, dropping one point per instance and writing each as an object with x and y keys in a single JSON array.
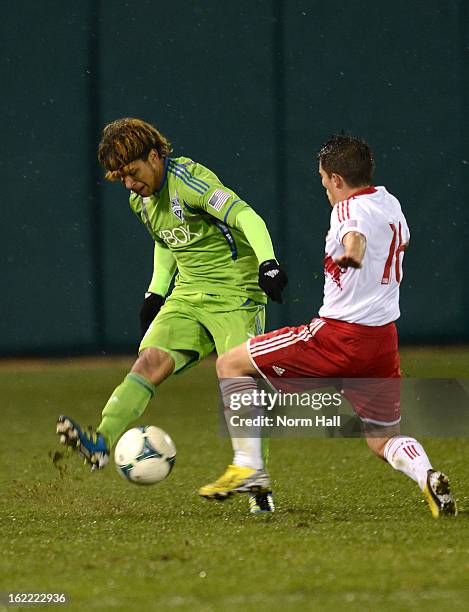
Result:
[
  {"x": 272, "y": 279},
  {"x": 150, "y": 308}
]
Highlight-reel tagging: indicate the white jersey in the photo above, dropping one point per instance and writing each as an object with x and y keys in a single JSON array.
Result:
[{"x": 368, "y": 295}]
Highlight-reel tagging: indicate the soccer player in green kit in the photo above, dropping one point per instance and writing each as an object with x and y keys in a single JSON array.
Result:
[{"x": 225, "y": 263}]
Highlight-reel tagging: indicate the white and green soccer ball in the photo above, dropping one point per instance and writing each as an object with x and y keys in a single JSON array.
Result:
[{"x": 145, "y": 455}]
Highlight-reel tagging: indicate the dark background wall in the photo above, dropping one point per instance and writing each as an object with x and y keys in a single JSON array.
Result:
[{"x": 251, "y": 89}]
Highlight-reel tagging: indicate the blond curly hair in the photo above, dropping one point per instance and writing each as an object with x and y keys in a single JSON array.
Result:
[{"x": 125, "y": 140}]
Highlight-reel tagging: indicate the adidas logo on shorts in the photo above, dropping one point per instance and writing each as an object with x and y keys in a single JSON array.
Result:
[{"x": 278, "y": 370}]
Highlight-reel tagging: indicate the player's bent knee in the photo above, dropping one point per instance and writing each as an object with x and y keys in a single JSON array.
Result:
[
  {"x": 224, "y": 365},
  {"x": 154, "y": 364},
  {"x": 235, "y": 363},
  {"x": 228, "y": 364}
]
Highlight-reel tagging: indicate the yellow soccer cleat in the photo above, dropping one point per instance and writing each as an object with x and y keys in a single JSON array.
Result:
[
  {"x": 438, "y": 495},
  {"x": 237, "y": 479}
]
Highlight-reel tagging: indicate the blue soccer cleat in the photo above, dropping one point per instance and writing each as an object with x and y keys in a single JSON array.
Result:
[{"x": 90, "y": 444}]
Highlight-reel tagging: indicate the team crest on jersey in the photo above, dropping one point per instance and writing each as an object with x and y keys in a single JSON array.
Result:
[{"x": 176, "y": 207}]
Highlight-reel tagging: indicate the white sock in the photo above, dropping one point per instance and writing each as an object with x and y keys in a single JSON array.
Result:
[
  {"x": 408, "y": 456},
  {"x": 247, "y": 451}
]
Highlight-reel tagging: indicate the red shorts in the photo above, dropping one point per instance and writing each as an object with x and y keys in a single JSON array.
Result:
[{"x": 328, "y": 348}]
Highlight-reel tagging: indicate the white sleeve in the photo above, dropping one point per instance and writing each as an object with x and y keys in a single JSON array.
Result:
[{"x": 351, "y": 217}]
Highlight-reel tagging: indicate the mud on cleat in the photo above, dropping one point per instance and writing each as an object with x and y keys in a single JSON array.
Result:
[
  {"x": 89, "y": 443},
  {"x": 262, "y": 502},
  {"x": 237, "y": 479},
  {"x": 437, "y": 492}
]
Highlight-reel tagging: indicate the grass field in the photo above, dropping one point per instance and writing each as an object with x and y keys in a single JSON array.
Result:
[{"x": 349, "y": 533}]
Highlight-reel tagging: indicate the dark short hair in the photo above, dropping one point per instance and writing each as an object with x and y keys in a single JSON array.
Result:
[
  {"x": 350, "y": 157},
  {"x": 126, "y": 140}
]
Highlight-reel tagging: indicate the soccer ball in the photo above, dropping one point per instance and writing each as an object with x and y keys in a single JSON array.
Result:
[{"x": 145, "y": 455}]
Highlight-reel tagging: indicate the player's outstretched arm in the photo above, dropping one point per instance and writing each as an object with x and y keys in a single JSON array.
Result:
[
  {"x": 164, "y": 267},
  {"x": 272, "y": 279},
  {"x": 223, "y": 204},
  {"x": 355, "y": 247}
]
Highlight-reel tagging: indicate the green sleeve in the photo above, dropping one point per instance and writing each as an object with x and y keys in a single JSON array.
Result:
[
  {"x": 216, "y": 200},
  {"x": 223, "y": 204},
  {"x": 164, "y": 267},
  {"x": 257, "y": 234}
]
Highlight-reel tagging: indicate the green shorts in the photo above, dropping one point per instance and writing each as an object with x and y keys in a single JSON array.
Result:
[{"x": 190, "y": 327}]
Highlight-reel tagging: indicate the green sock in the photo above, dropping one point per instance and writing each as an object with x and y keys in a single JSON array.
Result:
[{"x": 126, "y": 404}]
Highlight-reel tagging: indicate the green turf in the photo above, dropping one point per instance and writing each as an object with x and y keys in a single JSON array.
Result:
[{"x": 349, "y": 533}]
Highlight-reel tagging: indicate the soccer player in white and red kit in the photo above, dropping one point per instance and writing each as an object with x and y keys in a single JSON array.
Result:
[{"x": 355, "y": 336}]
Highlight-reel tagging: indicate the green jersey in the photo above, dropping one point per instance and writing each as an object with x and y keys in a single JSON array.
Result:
[{"x": 194, "y": 216}]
